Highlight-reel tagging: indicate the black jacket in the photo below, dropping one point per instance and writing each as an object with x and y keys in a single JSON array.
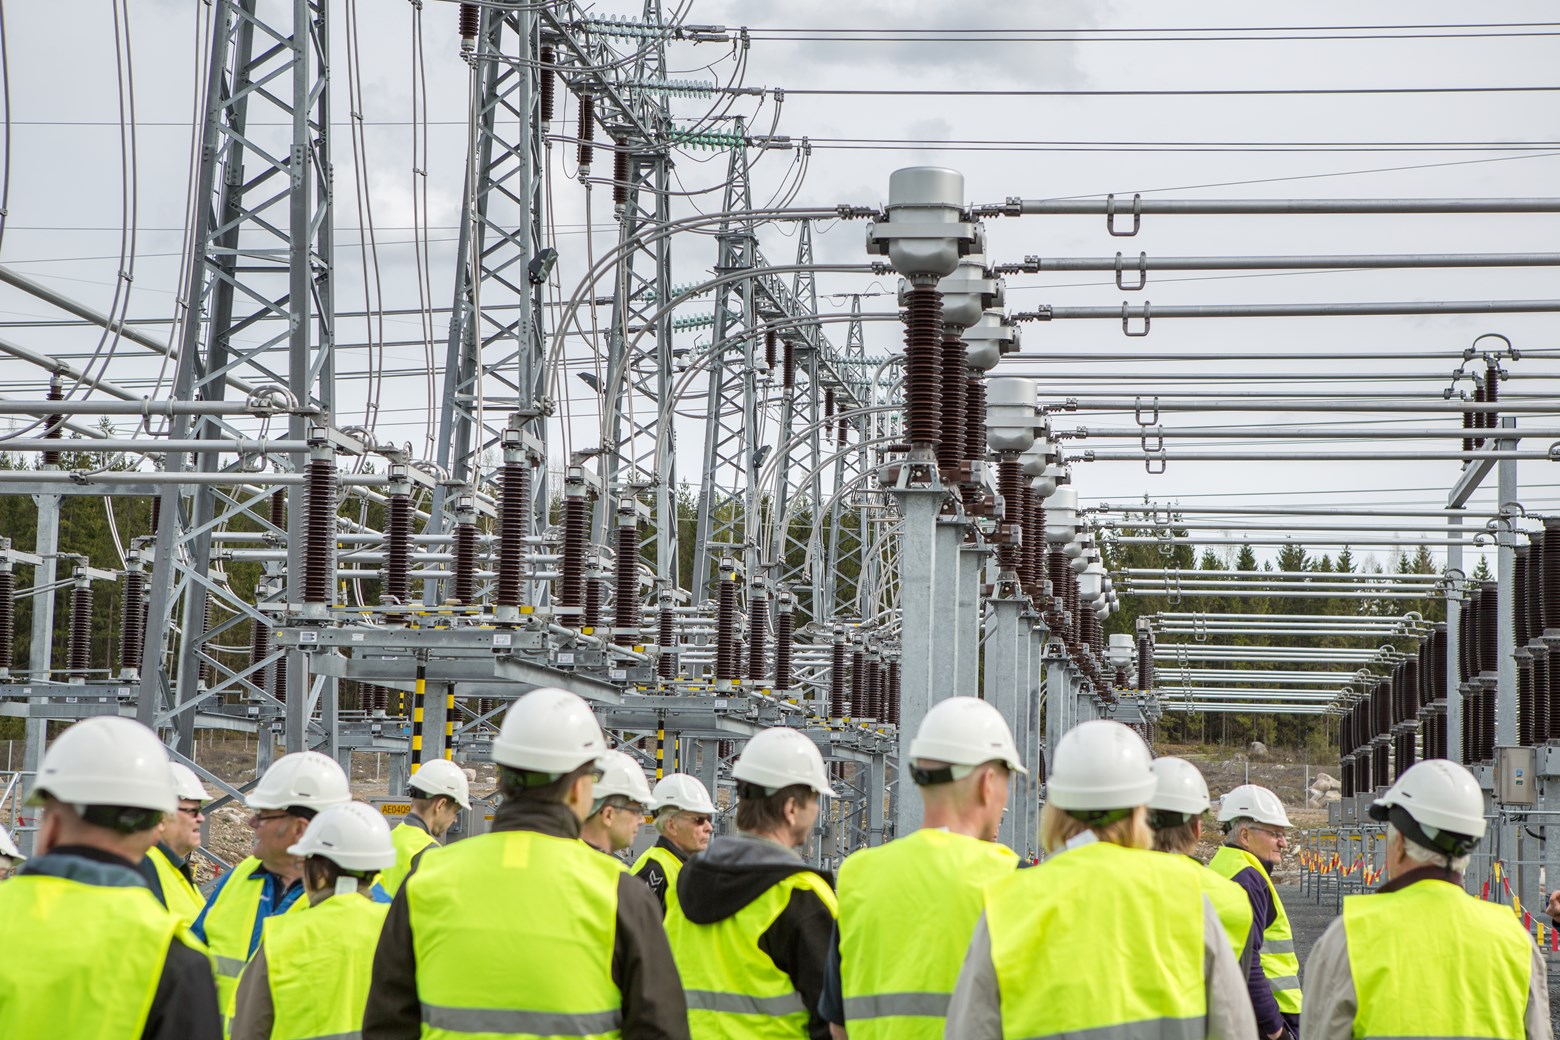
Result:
[
  {"x": 642, "y": 965},
  {"x": 185, "y": 1004},
  {"x": 654, "y": 875},
  {"x": 737, "y": 870}
]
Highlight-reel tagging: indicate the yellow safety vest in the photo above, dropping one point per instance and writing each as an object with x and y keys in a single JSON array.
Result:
[
  {"x": 669, "y": 863},
  {"x": 734, "y": 990},
  {"x": 1234, "y": 909},
  {"x": 1474, "y": 983},
  {"x": 920, "y": 897},
  {"x": 182, "y": 898},
  {"x": 408, "y": 842},
  {"x": 320, "y": 963},
  {"x": 82, "y": 961},
  {"x": 229, "y": 926},
  {"x": 1279, "y": 962},
  {"x": 513, "y": 933},
  {"x": 1102, "y": 941}
]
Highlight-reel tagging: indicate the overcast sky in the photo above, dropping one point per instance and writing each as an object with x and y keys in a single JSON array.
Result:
[{"x": 65, "y": 217}]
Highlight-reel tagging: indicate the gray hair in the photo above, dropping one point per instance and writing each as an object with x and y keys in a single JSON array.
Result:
[{"x": 1417, "y": 853}]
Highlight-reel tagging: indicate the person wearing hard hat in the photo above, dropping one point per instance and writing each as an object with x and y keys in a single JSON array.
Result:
[
  {"x": 684, "y": 819},
  {"x": 962, "y": 760},
  {"x": 309, "y": 978},
  {"x": 751, "y": 923},
  {"x": 440, "y": 791},
  {"x": 1255, "y": 826},
  {"x": 1419, "y": 956},
  {"x": 270, "y": 881},
  {"x": 166, "y": 867},
  {"x": 619, "y": 807},
  {"x": 10, "y": 856},
  {"x": 525, "y": 930},
  {"x": 1175, "y": 812},
  {"x": 1105, "y": 938},
  {"x": 90, "y": 951}
]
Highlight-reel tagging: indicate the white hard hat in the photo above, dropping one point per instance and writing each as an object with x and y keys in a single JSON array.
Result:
[
  {"x": 1443, "y": 802},
  {"x": 186, "y": 784},
  {"x": 1100, "y": 765},
  {"x": 107, "y": 760},
  {"x": 1254, "y": 802},
  {"x": 441, "y": 776},
  {"x": 351, "y": 835},
  {"x": 965, "y": 731},
  {"x": 1179, "y": 787},
  {"x": 620, "y": 774},
  {"x": 779, "y": 757},
  {"x": 549, "y": 731},
  {"x": 304, "y": 778},
  {"x": 681, "y": 791},
  {"x": 8, "y": 847}
]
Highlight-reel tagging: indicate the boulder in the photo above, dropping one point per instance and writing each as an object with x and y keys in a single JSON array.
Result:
[{"x": 1256, "y": 749}]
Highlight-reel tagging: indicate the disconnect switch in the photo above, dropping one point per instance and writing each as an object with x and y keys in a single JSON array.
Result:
[{"x": 1516, "y": 775}]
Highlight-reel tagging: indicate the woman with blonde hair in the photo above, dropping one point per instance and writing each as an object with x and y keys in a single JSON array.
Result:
[{"x": 1105, "y": 936}]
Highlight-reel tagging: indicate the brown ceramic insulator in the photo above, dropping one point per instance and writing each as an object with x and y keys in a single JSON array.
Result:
[
  {"x": 1346, "y": 767},
  {"x": 319, "y": 538},
  {"x": 1520, "y": 598},
  {"x": 549, "y": 81},
  {"x": 875, "y": 692},
  {"x": 923, "y": 378},
  {"x": 54, "y": 425},
  {"x": 80, "y": 657},
  {"x": 470, "y": 21},
  {"x": 954, "y": 397},
  {"x": 771, "y": 355},
  {"x": 1489, "y": 627},
  {"x": 726, "y": 666},
  {"x": 626, "y": 573},
  {"x": 1551, "y": 591},
  {"x": 279, "y": 679},
  {"x": 841, "y": 431},
  {"x": 666, "y": 636},
  {"x": 1466, "y": 665},
  {"x": 1469, "y": 422},
  {"x": 857, "y": 708},
  {"x": 576, "y": 537},
  {"x": 8, "y": 619},
  {"x": 892, "y": 715},
  {"x": 465, "y": 584},
  {"x": 758, "y": 637},
  {"x": 156, "y": 501},
  {"x": 587, "y": 130},
  {"x": 1034, "y": 544},
  {"x": 398, "y": 549},
  {"x": 1438, "y": 662},
  {"x": 1442, "y": 729},
  {"x": 828, "y": 412},
  {"x": 1526, "y": 712},
  {"x": 1010, "y": 484},
  {"x": 785, "y": 636},
  {"x": 591, "y": 616},
  {"x": 1491, "y": 395},
  {"x": 514, "y": 523},
  {"x": 1478, "y": 417},
  {"x": 259, "y": 649},
  {"x": 619, "y": 173},
  {"x": 1552, "y": 677},
  {"x": 1487, "y": 724},
  {"x": 1383, "y": 706},
  {"x": 379, "y": 699},
  {"x": 1535, "y": 587},
  {"x": 1541, "y": 721},
  {"x": 1362, "y": 764},
  {"x": 975, "y": 418},
  {"x": 788, "y": 365},
  {"x": 837, "y": 681},
  {"x": 1411, "y": 691},
  {"x": 276, "y": 510},
  {"x": 1145, "y": 663},
  {"x": 132, "y": 621}
]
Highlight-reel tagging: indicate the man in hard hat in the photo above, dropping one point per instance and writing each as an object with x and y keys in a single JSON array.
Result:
[
  {"x": 309, "y": 978},
  {"x": 1106, "y": 938},
  {"x": 440, "y": 791},
  {"x": 526, "y": 930},
  {"x": 1420, "y": 957},
  {"x": 1175, "y": 812},
  {"x": 166, "y": 867},
  {"x": 270, "y": 881},
  {"x": 1255, "y": 836},
  {"x": 962, "y": 761},
  {"x": 90, "y": 951},
  {"x": 684, "y": 819},
  {"x": 751, "y": 922},
  {"x": 619, "y": 807},
  {"x": 10, "y": 856}
]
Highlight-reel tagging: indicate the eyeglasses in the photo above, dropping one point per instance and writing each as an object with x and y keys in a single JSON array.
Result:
[
  {"x": 1276, "y": 835},
  {"x": 195, "y": 812},
  {"x": 697, "y": 821},
  {"x": 258, "y": 818}
]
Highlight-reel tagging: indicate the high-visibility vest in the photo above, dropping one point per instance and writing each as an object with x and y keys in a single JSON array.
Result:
[
  {"x": 182, "y": 899},
  {"x": 1230, "y": 903},
  {"x": 513, "y": 933},
  {"x": 81, "y": 960},
  {"x": 670, "y": 864},
  {"x": 1279, "y": 962},
  {"x": 1101, "y": 941},
  {"x": 732, "y": 987},
  {"x": 1430, "y": 960},
  {"x": 408, "y": 842},
  {"x": 919, "y": 897},
  {"x": 319, "y": 963},
  {"x": 230, "y": 927}
]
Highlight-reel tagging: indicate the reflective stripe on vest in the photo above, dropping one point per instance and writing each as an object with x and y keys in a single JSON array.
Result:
[
  {"x": 1067, "y": 940},
  {"x": 319, "y": 963},
  {"x": 230, "y": 927},
  {"x": 408, "y": 842},
  {"x": 733, "y": 988},
  {"x": 1279, "y": 962},
  {"x": 670, "y": 864},
  {"x": 55, "y": 984},
  {"x": 182, "y": 898},
  {"x": 937, "y": 872},
  {"x": 479, "y": 971},
  {"x": 1476, "y": 983}
]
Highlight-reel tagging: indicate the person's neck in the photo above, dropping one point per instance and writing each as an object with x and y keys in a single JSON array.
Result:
[
  {"x": 779, "y": 837},
  {"x": 289, "y": 871},
  {"x": 945, "y": 818},
  {"x": 596, "y": 837},
  {"x": 98, "y": 844}
]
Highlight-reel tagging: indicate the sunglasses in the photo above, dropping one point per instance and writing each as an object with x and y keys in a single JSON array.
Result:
[
  {"x": 697, "y": 821},
  {"x": 195, "y": 813}
]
